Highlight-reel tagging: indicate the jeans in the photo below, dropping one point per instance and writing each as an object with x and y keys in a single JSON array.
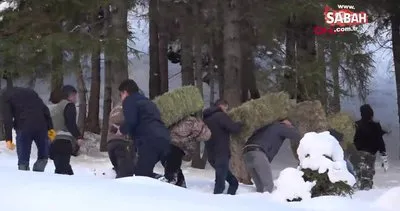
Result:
[
  {"x": 24, "y": 141},
  {"x": 222, "y": 174}
]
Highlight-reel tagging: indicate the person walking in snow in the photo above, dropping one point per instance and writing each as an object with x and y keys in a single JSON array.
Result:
[
  {"x": 218, "y": 147},
  {"x": 340, "y": 138},
  {"x": 120, "y": 147},
  {"x": 23, "y": 109},
  {"x": 368, "y": 141},
  {"x": 68, "y": 139},
  {"x": 184, "y": 137},
  {"x": 142, "y": 122},
  {"x": 262, "y": 147}
]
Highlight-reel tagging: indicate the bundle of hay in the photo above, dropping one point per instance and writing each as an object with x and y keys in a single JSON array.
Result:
[
  {"x": 255, "y": 114},
  {"x": 179, "y": 103},
  {"x": 342, "y": 122},
  {"x": 308, "y": 116}
]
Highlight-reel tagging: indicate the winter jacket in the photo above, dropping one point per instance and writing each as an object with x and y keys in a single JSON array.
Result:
[
  {"x": 142, "y": 121},
  {"x": 271, "y": 137},
  {"x": 23, "y": 109},
  {"x": 368, "y": 137},
  {"x": 221, "y": 127},
  {"x": 64, "y": 118},
  {"x": 116, "y": 118},
  {"x": 188, "y": 132}
]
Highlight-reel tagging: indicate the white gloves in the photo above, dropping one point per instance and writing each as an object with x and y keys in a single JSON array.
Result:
[{"x": 385, "y": 162}]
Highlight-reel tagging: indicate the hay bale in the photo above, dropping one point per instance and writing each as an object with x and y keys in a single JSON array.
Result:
[
  {"x": 179, "y": 103},
  {"x": 343, "y": 123},
  {"x": 308, "y": 116},
  {"x": 254, "y": 114}
]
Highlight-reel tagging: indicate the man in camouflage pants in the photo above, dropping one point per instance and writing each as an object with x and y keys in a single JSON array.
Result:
[
  {"x": 365, "y": 170},
  {"x": 368, "y": 141}
]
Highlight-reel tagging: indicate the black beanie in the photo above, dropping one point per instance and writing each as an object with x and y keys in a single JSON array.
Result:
[
  {"x": 67, "y": 90},
  {"x": 366, "y": 112}
]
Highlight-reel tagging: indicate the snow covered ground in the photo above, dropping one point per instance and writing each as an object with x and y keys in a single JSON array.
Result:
[{"x": 93, "y": 188}]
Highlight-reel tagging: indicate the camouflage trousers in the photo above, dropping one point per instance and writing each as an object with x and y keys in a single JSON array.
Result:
[{"x": 365, "y": 170}]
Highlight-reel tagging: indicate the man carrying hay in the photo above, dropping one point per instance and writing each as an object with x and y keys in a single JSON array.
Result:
[
  {"x": 218, "y": 147},
  {"x": 142, "y": 121},
  {"x": 120, "y": 147},
  {"x": 368, "y": 141},
  {"x": 184, "y": 136},
  {"x": 261, "y": 149}
]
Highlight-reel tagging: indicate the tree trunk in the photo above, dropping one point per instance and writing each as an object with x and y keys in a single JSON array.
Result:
[
  {"x": 323, "y": 91},
  {"x": 107, "y": 100},
  {"x": 334, "y": 67},
  {"x": 119, "y": 38},
  {"x": 198, "y": 161},
  {"x": 306, "y": 60},
  {"x": 9, "y": 82},
  {"x": 92, "y": 122},
  {"x": 187, "y": 46},
  {"x": 395, "y": 21},
  {"x": 163, "y": 39},
  {"x": 218, "y": 49},
  {"x": 290, "y": 76},
  {"x": 81, "y": 93},
  {"x": 247, "y": 44},
  {"x": 155, "y": 75},
  {"x": 232, "y": 75},
  {"x": 57, "y": 75}
]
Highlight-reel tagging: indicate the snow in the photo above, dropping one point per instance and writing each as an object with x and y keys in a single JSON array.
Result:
[
  {"x": 291, "y": 185},
  {"x": 93, "y": 187},
  {"x": 321, "y": 152},
  {"x": 4, "y": 5}
]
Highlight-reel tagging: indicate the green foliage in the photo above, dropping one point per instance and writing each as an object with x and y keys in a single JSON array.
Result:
[{"x": 324, "y": 187}]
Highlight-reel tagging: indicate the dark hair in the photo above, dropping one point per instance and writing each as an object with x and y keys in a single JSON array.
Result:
[
  {"x": 366, "y": 111},
  {"x": 56, "y": 96},
  {"x": 68, "y": 90},
  {"x": 220, "y": 102},
  {"x": 129, "y": 86}
]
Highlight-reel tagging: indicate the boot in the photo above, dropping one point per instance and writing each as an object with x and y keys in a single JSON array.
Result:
[
  {"x": 40, "y": 165},
  {"x": 23, "y": 167}
]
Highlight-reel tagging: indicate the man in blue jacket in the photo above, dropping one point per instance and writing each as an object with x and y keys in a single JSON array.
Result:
[{"x": 143, "y": 123}]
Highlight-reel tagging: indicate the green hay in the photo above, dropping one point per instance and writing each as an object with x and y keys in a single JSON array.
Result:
[
  {"x": 343, "y": 123},
  {"x": 255, "y": 114},
  {"x": 179, "y": 103},
  {"x": 308, "y": 116}
]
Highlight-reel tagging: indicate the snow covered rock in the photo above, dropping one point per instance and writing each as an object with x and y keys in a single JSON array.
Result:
[
  {"x": 322, "y": 170},
  {"x": 291, "y": 186}
]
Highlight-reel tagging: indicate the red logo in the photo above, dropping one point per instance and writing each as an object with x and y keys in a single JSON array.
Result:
[
  {"x": 319, "y": 30},
  {"x": 344, "y": 17}
]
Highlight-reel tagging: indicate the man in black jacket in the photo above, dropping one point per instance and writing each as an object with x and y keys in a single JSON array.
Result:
[
  {"x": 218, "y": 147},
  {"x": 368, "y": 141},
  {"x": 262, "y": 147},
  {"x": 142, "y": 121},
  {"x": 24, "y": 110}
]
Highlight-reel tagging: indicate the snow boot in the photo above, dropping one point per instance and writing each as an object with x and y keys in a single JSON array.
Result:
[
  {"x": 40, "y": 165},
  {"x": 23, "y": 167}
]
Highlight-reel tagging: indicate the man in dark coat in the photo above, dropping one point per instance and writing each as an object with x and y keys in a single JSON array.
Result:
[
  {"x": 218, "y": 147},
  {"x": 368, "y": 141},
  {"x": 23, "y": 109},
  {"x": 142, "y": 121},
  {"x": 262, "y": 147}
]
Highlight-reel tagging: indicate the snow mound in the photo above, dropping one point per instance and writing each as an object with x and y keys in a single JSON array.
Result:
[
  {"x": 389, "y": 200},
  {"x": 48, "y": 192},
  {"x": 291, "y": 186},
  {"x": 321, "y": 152}
]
